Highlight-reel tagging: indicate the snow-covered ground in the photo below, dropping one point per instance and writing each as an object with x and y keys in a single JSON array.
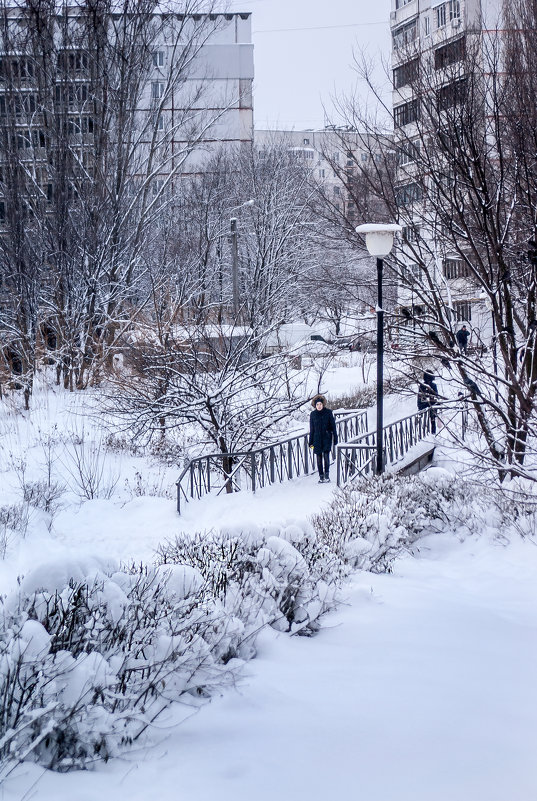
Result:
[{"x": 420, "y": 686}]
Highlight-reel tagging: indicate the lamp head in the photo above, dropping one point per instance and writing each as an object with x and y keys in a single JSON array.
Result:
[{"x": 378, "y": 237}]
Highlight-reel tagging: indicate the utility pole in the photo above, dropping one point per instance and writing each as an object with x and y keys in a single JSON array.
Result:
[{"x": 234, "y": 266}]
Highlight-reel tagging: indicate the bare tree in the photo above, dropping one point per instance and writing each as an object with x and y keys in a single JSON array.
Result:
[
  {"x": 92, "y": 158},
  {"x": 464, "y": 189}
]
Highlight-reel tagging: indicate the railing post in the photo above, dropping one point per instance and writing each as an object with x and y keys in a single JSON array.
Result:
[
  {"x": 208, "y": 474},
  {"x": 272, "y": 460},
  {"x": 289, "y": 461},
  {"x": 306, "y": 455}
]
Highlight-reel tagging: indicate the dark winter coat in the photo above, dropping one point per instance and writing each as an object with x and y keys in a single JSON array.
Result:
[
  {"x": 463, "y": 337},
  {"x": 427, "y": 394},
  {"x": 323, "y": 433}
]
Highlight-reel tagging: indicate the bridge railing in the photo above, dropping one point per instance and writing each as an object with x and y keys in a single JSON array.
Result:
[
  {"x": 271, "y": 464},
  {"x": 358, "y": 456}
]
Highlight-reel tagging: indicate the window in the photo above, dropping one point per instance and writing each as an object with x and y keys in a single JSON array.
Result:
[
  {"x": 441, "y": 16},
  {"x": 306, "y": 141},
  {"x": 27, "y": 139},
  {"x": 157, "y": 121},
  {"x": 74, "y": 62},
  {"x": 401, "y": 3},
  {"x": 449, "y": 53},
  {"x": 455, "y": 268},
  {"x": 462, "y": 310},
  {"x": 407, "y": 153},
  {"x": 321, "y": 174},
  {"x": 448, "y": 11},
  {"x": 19, "y": 69},
  {"x": 364, "y": 156},
  {"x": 158, "y": 58},
  {"x": 405, "y": 34},
  {"x": 157, "y": 90},
  {"x": 410, "y": 272},
  {"x": 405, "y": 114},
  {"x": 337, "y": 190},
  {"x": 452, "y": 94},
  {"x": 405, "y": 73},
  {"x": 427, "y": 25},
  {"x": 74, "y": 94},
  {"x": 2, "y": 211},
  {"x": 408, "y": 193},
  {"x": 80, "y": 125},
  {"x": 454, "y": 9},
  {"x": 410, "y": 233}
]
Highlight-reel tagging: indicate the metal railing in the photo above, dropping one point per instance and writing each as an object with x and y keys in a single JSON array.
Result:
[
  {"x": 357, "y": 457},
  {"x": 271, "y": 464}
]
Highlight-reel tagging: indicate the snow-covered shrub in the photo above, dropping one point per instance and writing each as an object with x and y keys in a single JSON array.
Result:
[
  {"x": 13, "y": 520},
  {"x": 43, "y": 494},
  {"x": 281, "y": 577},
  {"x": 370, "y": 521},
  {"x": 85, "y": 667}
]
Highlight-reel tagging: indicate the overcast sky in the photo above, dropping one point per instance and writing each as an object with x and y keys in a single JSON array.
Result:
[{"x": 303, "y": 54}]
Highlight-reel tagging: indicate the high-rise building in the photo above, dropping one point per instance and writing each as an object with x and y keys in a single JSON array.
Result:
[
  {"x": 77, "y": 86},
  {"x": 436, "y": 44}
]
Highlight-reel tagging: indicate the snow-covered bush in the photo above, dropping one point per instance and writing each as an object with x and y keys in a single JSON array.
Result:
[
  {"x": 13, "y": 521},
  {"x": 86, "y": 666},
  {"x": 90, "y": 655},
  {"x": 370, "y": 521},
  {"x": 279, "y": 576}
]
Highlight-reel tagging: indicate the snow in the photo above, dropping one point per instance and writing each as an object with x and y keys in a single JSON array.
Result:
[{"x": 419, "y": 687}]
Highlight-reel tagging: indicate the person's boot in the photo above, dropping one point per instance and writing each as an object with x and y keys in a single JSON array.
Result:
[{"x": 321, "y": 478}]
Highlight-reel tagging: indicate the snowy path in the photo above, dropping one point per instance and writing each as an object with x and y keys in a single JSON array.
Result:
[{"x": 420, "y": 688}]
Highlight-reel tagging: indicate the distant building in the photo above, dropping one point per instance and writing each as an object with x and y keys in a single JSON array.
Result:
[
  {"x": 430, "y": 37},
  {"x": 195, "y": 93},
  {"x": 329, "y": 153}
]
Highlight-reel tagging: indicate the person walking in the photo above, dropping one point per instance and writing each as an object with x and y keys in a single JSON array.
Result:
[
  {"x": 323, "y": 434},
  {"x": 428, "y": 397},
  {"x": 463, "y": 335}
]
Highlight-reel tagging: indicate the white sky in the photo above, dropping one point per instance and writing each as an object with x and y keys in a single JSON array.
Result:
[{"x": 303, "y": 52}]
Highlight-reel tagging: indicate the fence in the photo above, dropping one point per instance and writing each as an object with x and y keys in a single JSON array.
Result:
[
  {"x": 280, "y": 461},
  {"x": 358, "y": 456}
]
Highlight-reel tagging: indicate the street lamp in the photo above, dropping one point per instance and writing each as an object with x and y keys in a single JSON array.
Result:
[
  {"x": 235, "y": 257},
  {"x": 379, "y": 242}
]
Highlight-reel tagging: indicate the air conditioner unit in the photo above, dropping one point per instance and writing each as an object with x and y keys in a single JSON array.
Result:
[
  {"x": 393, "y": 16},
  {"x": 455, "y": 22}
]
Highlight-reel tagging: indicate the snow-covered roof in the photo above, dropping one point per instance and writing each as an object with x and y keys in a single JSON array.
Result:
[{"x": 291, "y": 333}]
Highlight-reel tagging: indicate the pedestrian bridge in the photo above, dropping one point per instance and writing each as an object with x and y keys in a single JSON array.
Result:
[{"x": 354, "y": 456}]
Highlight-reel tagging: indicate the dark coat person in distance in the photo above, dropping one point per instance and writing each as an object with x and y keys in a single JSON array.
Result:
[
  {"x": 428, "y": 397},
  {"x": 463, "y": 335},
  {"x": 323, "y": 434}
]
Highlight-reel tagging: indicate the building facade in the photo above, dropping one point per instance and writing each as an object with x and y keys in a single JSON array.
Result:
[{"x": 431, "y": 45}]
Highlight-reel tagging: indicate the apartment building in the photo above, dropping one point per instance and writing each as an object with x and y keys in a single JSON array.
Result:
[
  {"x": 168, "y": 89},
  {"x": 331, "y": 154},
  {"x": 430, "y": 45}
]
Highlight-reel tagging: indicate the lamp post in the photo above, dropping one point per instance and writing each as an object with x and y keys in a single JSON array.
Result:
[
  {"x": 379, "y": 242},
  {"x": 235, "y": 257}
]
